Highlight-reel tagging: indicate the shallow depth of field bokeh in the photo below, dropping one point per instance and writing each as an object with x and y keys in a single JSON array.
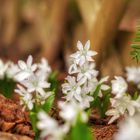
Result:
[
  {"x": 51, "y": 28},
  {"x": 75, "y": 92}
]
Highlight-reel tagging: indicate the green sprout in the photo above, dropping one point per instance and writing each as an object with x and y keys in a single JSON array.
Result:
[
  {"x": 136, "y": 46},
  {"x": 101, "y": 103}
]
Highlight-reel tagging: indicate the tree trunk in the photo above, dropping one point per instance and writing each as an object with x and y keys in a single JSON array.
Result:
[
  {"x": 106, "y": 25},
  {"x": 56, "y": 27}
]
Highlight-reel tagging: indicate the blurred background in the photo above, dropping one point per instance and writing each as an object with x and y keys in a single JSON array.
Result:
[{"x": 51, "y": 29}]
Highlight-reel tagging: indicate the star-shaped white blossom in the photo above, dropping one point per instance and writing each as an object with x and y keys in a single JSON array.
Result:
[
  {"x": 121, "y": 106},
  {"x": 26, "y": 97},
  {"x": 83, "y": 54},
  {"x": 124, "y": 103},
  {"x": 26, "y": 69},
  {"x": 36, "y": 83},
  {"x": 71, "y": 89},
  {"x": 86, "y": 72},
  {"x": 34, "y": 78}
]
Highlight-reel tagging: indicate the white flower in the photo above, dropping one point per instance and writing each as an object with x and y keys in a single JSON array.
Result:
[
  {"x": 119, "y": 86},
  {"x": 12, "y": 70},
  {"x": 70, "y": 111},
  {"x": 3, "y": 68},
  {"x": 26, "y": 69},
  {"x": 26, "y": 97},
  {"x": 86, "y": 72},
  {"x": 83, "y": 55},
  {"x": 34, "y": 78},
  {"x": 83, "y": 68},
  {"x": 129, "y": 129},
  {"x": 133, "y": 74},
  {"x": 73, "y": 69},
  {"x": 46, "y": 123},
  {"x": 36, "y": 83},
  {"x": 86, "y": 99},
  {"x": 114, "y": 113},
  {"x": 50, "y": 128},
  {"x": 71, "y": 89},
  {"x": 92, "y": 85},
  {"x": 121, "y": 106}
]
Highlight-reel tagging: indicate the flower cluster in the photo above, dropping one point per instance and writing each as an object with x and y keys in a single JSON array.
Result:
[
  {"x": 77, "y": 90},
  {"x": 69, "y": 113},
  {"x": 33, "y": 80},
  {"x": 82, "y": 81},
  {"x": 122, "y": 103},
  {"x": 81, "y": 89},
  {"x": 133, "y": 74}
]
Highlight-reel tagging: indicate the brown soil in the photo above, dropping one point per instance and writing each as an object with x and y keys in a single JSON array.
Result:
[
  {"x": 13, "y": 119},
  {"x": 100, "y": 128},
  {"x": 102, "y": 132},
  {"x": 8, "y": 136}
]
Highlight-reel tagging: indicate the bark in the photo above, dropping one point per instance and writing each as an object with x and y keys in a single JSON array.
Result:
[
  {"x": 9, "y": 18},
  {"x": 89, "y": 10},
  {"x": 56, "y": 26},
  {"x": 106, "y": 25},
  {"x": 109, "y": 68}
]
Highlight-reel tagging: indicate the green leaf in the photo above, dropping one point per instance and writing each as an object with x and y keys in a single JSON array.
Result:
[
  {"x": 98, "y": 105},
  {"x": 135, "y": 96},
  {"x": 101, "y": 103},
  {"x": 33, "y": 118},
  {"x": 105, "y": 103},
  {"x": 54, "y": 82},
  {"x": 135, "y": 54},
  {"x": 95, "y": 95},
  {"x": 48, "y": 103},
  {"x": 80, "y": 132},
  {"x": 136, "y": 46}
]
